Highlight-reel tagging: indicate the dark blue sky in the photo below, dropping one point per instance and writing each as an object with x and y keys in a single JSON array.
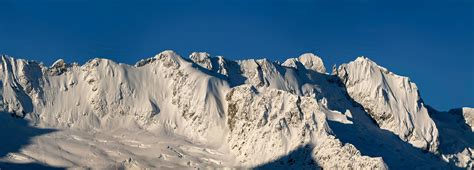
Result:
[{"x": 432, "y": 42}]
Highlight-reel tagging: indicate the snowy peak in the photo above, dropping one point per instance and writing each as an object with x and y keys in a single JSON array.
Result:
[
  {"x": 58, "y": 67},
  {"x": 202, "y": 58},
  {"x": 312, "y": 62},
  {"x": 308, "y": 60},
  {"x": 169, "y": 57},
  {"x": 58, "y": 63},
  {"x": 168, "y": 54},
  {"x": 392, "y": 101},
  {"x": 363, "y": 59}
]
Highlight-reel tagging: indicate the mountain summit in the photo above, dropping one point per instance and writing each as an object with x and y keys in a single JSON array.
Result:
[{"x": 204, "y": 111}]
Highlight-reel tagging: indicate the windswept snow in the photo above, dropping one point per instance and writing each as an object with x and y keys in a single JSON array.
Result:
[{"x": 172, "y": 112}]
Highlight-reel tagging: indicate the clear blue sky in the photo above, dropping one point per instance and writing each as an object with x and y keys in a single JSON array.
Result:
[{"x": 432, "y": 42}]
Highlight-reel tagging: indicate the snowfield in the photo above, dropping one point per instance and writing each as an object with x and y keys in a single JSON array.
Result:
[{"x": 169, "y": 112}]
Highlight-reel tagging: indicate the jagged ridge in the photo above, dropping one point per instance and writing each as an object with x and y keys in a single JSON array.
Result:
[{"x": 254, "y": 110}]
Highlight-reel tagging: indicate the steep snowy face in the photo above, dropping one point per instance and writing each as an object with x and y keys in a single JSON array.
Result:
[
  {"x": 21, "y": 81},
  {"x": 391, "y": 100}
]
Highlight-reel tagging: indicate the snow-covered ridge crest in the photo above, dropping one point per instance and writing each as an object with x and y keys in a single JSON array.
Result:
[
  {"x": 108, "y": 93},
  {"x": 225, "y": 113}
]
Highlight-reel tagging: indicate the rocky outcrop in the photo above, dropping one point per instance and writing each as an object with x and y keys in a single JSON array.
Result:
[{"x": 269, "y": 124}]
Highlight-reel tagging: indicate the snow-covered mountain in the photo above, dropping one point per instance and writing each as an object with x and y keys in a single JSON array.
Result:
[{"x": 173, "y": 112}]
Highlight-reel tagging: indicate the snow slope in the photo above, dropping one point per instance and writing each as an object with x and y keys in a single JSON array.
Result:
[{"x": 173, "y": 112}]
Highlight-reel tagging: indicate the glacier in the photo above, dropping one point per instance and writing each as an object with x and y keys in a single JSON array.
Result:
[{"x": 204, "y": 111}]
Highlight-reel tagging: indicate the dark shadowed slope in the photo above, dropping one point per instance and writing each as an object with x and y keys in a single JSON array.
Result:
[
  {"x": 15, "y": 133},
  {"x": 454, "y": 134},
  {"x": 300, "y": 158}
]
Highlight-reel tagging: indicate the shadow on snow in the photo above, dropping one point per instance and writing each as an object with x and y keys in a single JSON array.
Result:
[
  {"x": 300, "y": 158},
  {"x": 454, "y": 134},
  {"x": 16, "y": 133}
]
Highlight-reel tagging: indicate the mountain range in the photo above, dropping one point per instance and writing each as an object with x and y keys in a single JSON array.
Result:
[{"x": 204, "y": 111}]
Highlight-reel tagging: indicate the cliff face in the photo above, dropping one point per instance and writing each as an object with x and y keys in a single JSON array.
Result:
[{"x": 255, "y": 112}]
